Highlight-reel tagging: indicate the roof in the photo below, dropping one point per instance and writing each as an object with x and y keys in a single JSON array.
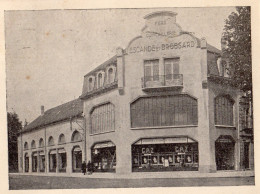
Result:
[
  {"x": 103, "y": 65},
  {"x": 62, "y": 112},
  {"x": 213, "y": 49}
]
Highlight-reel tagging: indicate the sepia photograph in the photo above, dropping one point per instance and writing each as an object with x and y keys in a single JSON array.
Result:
[{"x": 129, "y": 97}]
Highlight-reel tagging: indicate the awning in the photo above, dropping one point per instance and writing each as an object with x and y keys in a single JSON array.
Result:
[
  {"x": 77, "y": 149},
  {"x": 53, "y": 152},
  {"x": 225, "y": 139},
  {"x": 41, "y": 153},
  {"x": 165, "y": 140},
  {"x": 104, "y": 145},
  {"x": 34, "y": 154},
  {"x": 62, "y": 150}
]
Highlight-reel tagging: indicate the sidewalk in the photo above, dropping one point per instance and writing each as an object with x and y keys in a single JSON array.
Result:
[{"x": 142, "y": 175}]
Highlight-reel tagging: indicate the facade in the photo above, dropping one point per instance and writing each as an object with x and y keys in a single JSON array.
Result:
[{"x": 164, "y": 103}]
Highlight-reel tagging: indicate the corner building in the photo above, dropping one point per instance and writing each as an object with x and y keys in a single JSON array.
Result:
[{"x": 164, "y": 103}]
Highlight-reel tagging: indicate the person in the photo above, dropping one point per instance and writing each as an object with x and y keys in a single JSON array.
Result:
[
  {"x": 90, "y": 167},
  {"x": 84, "y": 167}
]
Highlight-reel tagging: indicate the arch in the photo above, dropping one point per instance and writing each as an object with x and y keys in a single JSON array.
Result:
[
  {"x": 33, "y": 144},
  {"x": 100, "y": 80},
  {"x": 41, "y": 143},
  {"x": 224, "y": 110},
  {"x": 91, "y": 83},
  {"x": 26, "y": 145},
  {"x": 61, "y": 139},
  {"x": 76, "y": 158},
  {"x": 111, "y": 74},
  {"x": 76, "y": 136},
  {"x": 50, "y": 141}
]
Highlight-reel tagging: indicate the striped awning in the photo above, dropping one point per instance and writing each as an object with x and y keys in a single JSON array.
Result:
[{"x": 164, "y": 140}]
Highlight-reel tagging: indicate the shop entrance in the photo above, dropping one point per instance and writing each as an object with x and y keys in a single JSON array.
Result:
[
  {"x": 165, "y": 154},
  {"x": 76, "y": 159},
  {"x": 246, "y": 155},
  {"x": 52, "y": 161},
  {"x": 104, "y": 157},
  {"x": 225, "y": 150},
  {"x": 26, "y": 163}
]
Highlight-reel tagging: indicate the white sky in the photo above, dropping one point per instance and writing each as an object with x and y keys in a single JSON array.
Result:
[{"x": 49, "y": 52}]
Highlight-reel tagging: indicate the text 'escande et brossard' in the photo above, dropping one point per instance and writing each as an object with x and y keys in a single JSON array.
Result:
[{"x": 156, "y": 48}]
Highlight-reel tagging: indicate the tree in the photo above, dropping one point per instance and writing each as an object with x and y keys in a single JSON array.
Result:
[
  {"x": 237, "y": 50},
  {"x": 14, "y": 127}
]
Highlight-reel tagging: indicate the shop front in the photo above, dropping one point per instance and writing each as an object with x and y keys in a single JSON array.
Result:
[
  {"x": 41, "y": 161},
  {"x": 76, "y": 159},
  {"x": 62, "y": 157},
  {"x": 165, "y": 154},
  {"x": 225, "y": 153},
  {"x": 34, "y": 162},
  {"x": 104, "y": 157}
]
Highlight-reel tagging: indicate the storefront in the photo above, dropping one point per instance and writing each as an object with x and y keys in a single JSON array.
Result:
[
  {"x": 225, "y": 150},
  {"x": 52, "y": 161},
  {"x": 76, "y": 159},
  {"x": 26, "y": 162},
  {"x": 62, "y": 157},
  {"x": 104, "y": 157},
  {"x": 165, "y": 154},
  {"x": 34, "y": 162},
  {"x": 41, "y": 161}
]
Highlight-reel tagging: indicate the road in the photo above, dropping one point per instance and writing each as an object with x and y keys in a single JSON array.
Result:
[{"x": 23, "y": 182}]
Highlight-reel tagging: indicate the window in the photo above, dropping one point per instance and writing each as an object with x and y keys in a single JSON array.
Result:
[
  {"x": 103, "y": 119},
  {"x": 171, "y": 67},
  {"x": 100, "y": 80},
  {"x": 76, "y": 136},
  {"x": 26, "y": 146},
  {"x": 151, "y": 70},
  {"x": 90, "y": 84},
  {"x": 110, "y": 76},
  {"x": 164, "y": 111},
  {"x": 51, "y": 141},
  {"x": 41, "y": 143},
  {"x": 224, "y": 110},
  {"x": 33, "y": 145},
  {"x": 62, "y": 139}
]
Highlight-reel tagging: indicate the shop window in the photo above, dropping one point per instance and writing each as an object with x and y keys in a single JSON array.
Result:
[
  {"x": 52, "y": 161},
  {"x": 26, "y": 162},
  {"x": 62, "y": 139},
  {"x": 25, "y": 146},
  {"x": 42, "y": 162},
  {"x": 102, "y": 119},
  {"x": 76, "y": 159},
  {"x": 76, "y": 136},
  {"x": 62, "y": 157},
  {"x": 103, "y": 156},
  {"x": 164, "y": 111},
  {"x": 151, "y": 70},
  {"x": 34, "y": 162},
  {"x": 224, "y": 110},
  {"x": 41, "y": 143},
  {"x": 50, "y": 141},
  {"x": 33, "y": 144},
  {"x": 165, "y": 157}
]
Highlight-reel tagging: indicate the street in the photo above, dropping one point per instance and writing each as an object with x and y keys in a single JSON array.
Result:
[{"x": 23, "y": 182}]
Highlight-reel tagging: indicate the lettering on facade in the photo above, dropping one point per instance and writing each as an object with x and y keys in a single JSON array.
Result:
[{"x": 162, "y": 47}]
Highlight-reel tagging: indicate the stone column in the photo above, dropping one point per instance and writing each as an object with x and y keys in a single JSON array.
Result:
[
  {"x": 57, "y": 161},
  {"x": 69, "y": 159},
  {"x": 123, "y": 158},
  {"x": 30, "y": 161},
  {"x": 38, "y": 161}
]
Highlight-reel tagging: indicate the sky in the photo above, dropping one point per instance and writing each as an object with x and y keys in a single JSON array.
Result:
[{"x": 48, "y": 52}]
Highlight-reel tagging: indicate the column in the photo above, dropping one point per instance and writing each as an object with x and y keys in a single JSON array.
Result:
[
  {"x": 30, "y": 161},
  {"x": 120, "y": 70},
  {"x": 123, "y": 158},
  {"x": 47, "y": 161},
  {"x": 69, "y": 159},
  {"x": 57, "y": 161}
]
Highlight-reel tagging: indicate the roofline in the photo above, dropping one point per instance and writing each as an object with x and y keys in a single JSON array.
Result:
[{"x": 154, "y": 14}]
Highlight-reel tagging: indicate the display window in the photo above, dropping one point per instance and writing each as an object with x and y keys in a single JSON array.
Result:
[
  {"x": 165, "y": 157},
  {"x": 42, "y": 162}
]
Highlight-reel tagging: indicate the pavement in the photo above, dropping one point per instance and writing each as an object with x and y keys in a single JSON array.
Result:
[{"x": 143, "y": 175}]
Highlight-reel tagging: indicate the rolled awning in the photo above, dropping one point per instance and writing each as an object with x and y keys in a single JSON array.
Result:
[
  {"x": 60, "y": 151},
  {"x": 104, "y": 145},
  {"x": 77, "y": 149},
  {"x": 53, "y": 152},
  {"x": 41, "y": 153},
  {"x": 164, "y": 140}
]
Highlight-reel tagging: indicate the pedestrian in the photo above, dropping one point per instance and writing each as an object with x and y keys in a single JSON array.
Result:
[
  {"x": 84, "y": 167},
  {"x": 90, "y": 167}
]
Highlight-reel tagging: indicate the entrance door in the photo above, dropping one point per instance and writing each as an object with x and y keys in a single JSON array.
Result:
[
  {"x": 225, "y": 156},
  {"x": 246, "y": 155}
]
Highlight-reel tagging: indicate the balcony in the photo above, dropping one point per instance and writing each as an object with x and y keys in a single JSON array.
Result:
[{"x": 162, "y": 82}]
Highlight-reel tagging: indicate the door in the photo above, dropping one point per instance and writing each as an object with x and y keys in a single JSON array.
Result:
[{"x": 246, "y": 155}]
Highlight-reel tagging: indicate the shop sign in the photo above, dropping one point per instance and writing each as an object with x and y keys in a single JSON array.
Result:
[
  {"x": 147, "y": 151},
  {"x": 161, "y": 47},
  {"x": 181, "y": 149}
]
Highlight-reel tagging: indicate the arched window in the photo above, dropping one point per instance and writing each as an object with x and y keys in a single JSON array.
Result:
[
  {"x": 100, "y": 80},
  {"x": 76, "y": 136},
  {"x": 50, "y": 141},
  {"x": 224, "y": 110},
  {"x": 33, "y": 145},
  {"x": 26, "y": 146},
  {"x": 90, "y": 84},
  {"x": 61, "y": 139},
  {"x": 110, "y": 76},
  {"x": 164, "y": 111},
  {"x": 41, "y": 143},
  {"x": 102, "y": 118}
]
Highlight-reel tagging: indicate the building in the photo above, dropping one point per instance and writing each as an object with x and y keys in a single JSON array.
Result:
[{"x": 164, "y": 103}]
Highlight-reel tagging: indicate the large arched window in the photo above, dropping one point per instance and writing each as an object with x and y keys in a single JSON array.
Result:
[
  {"x": 61, "y": 139},
  {"x": 26, "y": 146},
  {"x": 76, "y": 136},
  {"x": 102, "y": 119},
  {"x": 41, "y": 143},
  {"x": 110, "y": 75},
  {"x": 51, "y": 141},
  {"x": 224, "y": 110},
  {"x": 171, "y": 110},
  {"x": 100, "y": 80},
  {"x": 33, "y": 144}
]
